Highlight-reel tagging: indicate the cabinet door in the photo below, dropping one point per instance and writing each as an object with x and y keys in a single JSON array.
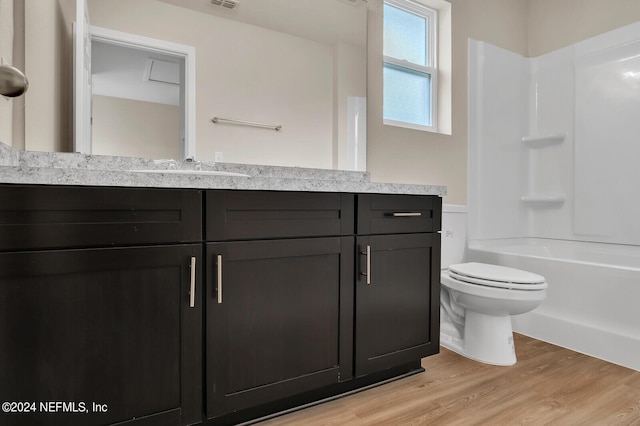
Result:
[
  {"x": 397, "y": 300},
  {"x": 94, "y": 337},
  {"x": 278, "y": 319}
]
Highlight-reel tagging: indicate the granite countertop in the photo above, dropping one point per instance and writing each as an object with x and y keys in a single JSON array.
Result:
[{"x": 24, "y": 167}]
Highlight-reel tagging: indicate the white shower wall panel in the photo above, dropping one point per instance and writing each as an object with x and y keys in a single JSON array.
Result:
[
  {"x": 498, "y": 78},
  {"x": 590, "y": 92},
  {"x": 607, "y": 152},
  {"x": 551, "y": 105}
]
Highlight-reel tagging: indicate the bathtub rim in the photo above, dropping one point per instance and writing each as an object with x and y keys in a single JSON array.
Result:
[{"x": 506, "y": 245}]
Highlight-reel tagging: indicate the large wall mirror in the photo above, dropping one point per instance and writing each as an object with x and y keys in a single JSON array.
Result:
[
  {"x": 137, "y": 102},
  {"x": 298, "y": 64}
]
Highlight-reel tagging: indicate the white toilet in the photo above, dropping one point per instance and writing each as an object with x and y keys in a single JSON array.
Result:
[{"x": 478, "y": 299}]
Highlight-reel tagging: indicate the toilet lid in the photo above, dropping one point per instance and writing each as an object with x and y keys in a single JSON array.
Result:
[{"x": 497, "y": 276}]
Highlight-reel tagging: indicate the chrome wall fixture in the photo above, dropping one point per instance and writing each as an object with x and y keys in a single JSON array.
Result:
[
  {"x": 13, "y": 82},
  {"x": 275, "y": 127}
]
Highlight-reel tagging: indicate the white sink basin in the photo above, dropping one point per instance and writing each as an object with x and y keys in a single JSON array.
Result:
[{"x": 191, "y": 172}]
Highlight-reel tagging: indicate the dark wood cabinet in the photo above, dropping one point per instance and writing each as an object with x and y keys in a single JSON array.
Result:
[
  {"x": 97, "y": 322},
  {"x": 281, "y": 303},
  {"x": 397, "y": 303},
  {"x": 398, "y": 214},
  {"x": 109, "y": 333},
  {"x": 294, "y": 297},
  {"x": 40, "y": 217},
  {"x": 253, "y": 215},
  {"x": 277, "y": 319},
  {"x": 397, "y": 310},
  {"x": 278, "y": 311}
]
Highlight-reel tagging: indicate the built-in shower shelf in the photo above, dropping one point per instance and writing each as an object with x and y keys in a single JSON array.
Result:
[
  {"x": 554, "y": 200},
  {"x": 546, "y": 140}
]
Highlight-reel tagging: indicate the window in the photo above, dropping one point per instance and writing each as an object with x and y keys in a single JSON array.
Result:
[{"x": 410, "y": 73}]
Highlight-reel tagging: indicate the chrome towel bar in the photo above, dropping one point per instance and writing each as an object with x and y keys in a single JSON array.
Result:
[{"x": 275, "y": 127}]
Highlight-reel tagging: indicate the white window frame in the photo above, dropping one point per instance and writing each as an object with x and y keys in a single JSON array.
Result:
[{"x": 431, "y": 15}]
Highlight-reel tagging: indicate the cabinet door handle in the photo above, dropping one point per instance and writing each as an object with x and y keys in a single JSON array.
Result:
[
  {"x": 219, "y": 270},
  {"x": 407, "y": 214},
  {"x": 368, "y": 264},
  {"x": 192, "y": 291},
  {"x": 367, "y": 274}
]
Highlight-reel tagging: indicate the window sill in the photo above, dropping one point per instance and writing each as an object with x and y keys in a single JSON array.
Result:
[{"x": 412, "y": 126}]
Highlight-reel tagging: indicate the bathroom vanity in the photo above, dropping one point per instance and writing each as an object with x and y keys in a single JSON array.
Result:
[{"x": 214, "y": 299}]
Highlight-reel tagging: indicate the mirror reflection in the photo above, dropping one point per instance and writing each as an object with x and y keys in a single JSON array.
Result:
[
  {"x": 136, "y": 109},
  {"x": 300, "y": 64}
]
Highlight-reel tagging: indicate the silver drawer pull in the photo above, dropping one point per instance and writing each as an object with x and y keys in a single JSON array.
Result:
[
  {"x": 407, "y": 214},
  {"x": 368, "y": 264},
  {"x": 219, "y": 269},
  {"x": 192, "y": 291},
  {"x": 368, "y": 273}
]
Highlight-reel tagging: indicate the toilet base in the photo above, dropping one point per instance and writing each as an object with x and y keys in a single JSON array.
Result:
[{"x": 487, "y": 339}]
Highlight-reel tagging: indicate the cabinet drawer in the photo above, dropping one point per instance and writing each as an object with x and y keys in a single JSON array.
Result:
[
  {"x": 397, "y": 214},
  {"x": 242, "y": 215},
  {"x": 35, "y": 217}
]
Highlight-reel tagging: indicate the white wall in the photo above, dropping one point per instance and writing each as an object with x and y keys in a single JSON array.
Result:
[
  {"x": 243, "y": 72},
  {"x": 237, "y": 78},
  {"x": 6, "y": 55},
  {"x": 48, "y": 66},
  {"x": 131, "y": 128},
  {"x": 393, "y": 154},
  {"x": 591, "y": 93},
  {"x": 527, "y": 27},
  {"x": 397, "y": 154},
  {"x": 554, "y": 24}
]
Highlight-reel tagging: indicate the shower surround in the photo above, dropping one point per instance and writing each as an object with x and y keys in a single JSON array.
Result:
[{"x": 553, "y": 155}]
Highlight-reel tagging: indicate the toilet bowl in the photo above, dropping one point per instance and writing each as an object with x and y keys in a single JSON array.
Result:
[{"x": 477, "y": 301}]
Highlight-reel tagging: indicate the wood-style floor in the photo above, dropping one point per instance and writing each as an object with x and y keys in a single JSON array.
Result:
[{"x": 548, "y": 385}]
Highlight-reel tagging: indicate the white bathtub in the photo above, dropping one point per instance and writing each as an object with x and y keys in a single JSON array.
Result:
[{"x": 593, "y": 299}]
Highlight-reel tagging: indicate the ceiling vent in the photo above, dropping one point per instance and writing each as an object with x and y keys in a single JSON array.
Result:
[{"x": 229, "y": 4}]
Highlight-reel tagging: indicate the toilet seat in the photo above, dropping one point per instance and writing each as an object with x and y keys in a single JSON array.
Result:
[{"x": 496, "y": 276}]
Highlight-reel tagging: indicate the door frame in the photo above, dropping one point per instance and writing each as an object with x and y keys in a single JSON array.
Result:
[{"x": 187, "y": 74}]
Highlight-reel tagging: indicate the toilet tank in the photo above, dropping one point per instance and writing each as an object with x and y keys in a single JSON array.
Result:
[{"x": 454, "y": 234}]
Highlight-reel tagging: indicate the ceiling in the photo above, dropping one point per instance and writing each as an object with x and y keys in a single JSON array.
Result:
[{"x": 124, "y": 72}]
